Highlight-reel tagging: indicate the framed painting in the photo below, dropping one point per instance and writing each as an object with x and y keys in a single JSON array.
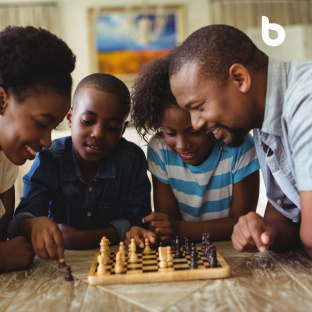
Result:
[{"x": 123, "y": 39}]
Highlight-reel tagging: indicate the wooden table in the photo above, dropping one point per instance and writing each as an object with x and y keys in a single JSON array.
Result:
[{"x": 267, "y": 281}]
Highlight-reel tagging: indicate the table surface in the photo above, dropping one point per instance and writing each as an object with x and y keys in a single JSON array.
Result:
[{"x": 270, "y": 281}]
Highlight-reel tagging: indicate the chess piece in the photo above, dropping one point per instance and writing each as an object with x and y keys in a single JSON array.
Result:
[
  {"x": 122, "y": 251},
  {"x": 119, "y": 267},
  {"x": 101, "y": 267},
  {"x": 162, "y": 254},
  {"x": 132, "y": 248},
  {"x": 194, "y": 253},
  {"x": 147, "y": 248},
  {"x": 169, "y": 256},
  {"x": 193, "y": 264},
  {"x": 68, "y": 277},
  {"x": 62, "y": 265}
]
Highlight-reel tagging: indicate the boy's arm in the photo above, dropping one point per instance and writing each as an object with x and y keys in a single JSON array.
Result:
[
  {"x": 8, "y": 201},
  {"x": 86, "y": 239},
  {"x": 138, "y": 200},
  {"x": 306, "y": 221}
]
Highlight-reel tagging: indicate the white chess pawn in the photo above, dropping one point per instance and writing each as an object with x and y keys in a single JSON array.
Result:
[
  {"x": 169, "y": 255},
  {"x": 147, "y": 248},
  {"x": 101, "y": 267},
  {"x": 119, "y": 267},
  {"x": 122, "y": 251}
]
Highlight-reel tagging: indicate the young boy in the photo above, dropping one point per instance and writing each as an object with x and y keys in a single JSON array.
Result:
[
  {"x": 91, "y": 184},
  {"x": 230, "y": 87}
]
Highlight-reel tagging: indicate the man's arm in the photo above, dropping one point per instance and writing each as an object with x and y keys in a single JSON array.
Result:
[
  {"x": 253, "y": 232},
  {"x": 306, "y": 221}
]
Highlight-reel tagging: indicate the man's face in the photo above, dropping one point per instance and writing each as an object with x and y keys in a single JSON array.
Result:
[{"x": 220, "y": 109}]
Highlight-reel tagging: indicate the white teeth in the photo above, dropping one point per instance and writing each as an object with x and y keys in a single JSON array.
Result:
[
  {"x": 215, "y": 130},
  {"x": 31, "y": 151}
]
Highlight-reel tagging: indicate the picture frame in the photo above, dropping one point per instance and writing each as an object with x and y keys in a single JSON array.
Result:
[{"x": 122, "y": 39}]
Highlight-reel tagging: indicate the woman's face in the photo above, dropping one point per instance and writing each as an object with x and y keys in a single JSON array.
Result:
[{"x": 25, "y": 127}]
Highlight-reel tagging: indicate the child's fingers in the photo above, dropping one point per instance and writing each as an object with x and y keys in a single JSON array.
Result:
[
  {"x": 152, "y": 237},
  {"x": 39, "y": 247},
  {"x": 155, "y": 216},
  {"x": 59, "y": 246}
]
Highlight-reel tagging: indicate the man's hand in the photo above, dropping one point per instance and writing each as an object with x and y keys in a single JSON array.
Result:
[
  {"x": 16, "y": 254},
  {"x": 46, "y": 238},
  {"x": 253, "y": 233},
  {"x": 162, "y": 225},
  {"x": 139, "y": 234}
]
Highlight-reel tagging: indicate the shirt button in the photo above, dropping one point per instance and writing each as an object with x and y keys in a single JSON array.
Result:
[
  {"x": 90, "y": 189},
  {"x": 279, "y": 202},
  {"x": 89, "y": 214}
]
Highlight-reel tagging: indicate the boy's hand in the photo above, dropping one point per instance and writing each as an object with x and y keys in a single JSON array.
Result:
[
  {"x": 253, "y": 233},
  {"x": 162, "y": 225},
  {"x": 16, "y": 254},
  {"x": 139, "y": 234},
  {"x": 46, "y": 238},
  {"x": 68, "y": 232}
]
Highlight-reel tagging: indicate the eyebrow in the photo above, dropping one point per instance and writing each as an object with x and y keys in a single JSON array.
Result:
[
  {"x": 96, "y": 115},
  {"x": 49, "y": 116}
]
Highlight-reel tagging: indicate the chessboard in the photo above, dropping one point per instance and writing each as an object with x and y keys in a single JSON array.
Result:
[{"x": 147, "y": 268}]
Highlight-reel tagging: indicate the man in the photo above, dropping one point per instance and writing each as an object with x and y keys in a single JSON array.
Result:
[{"x": 230, "y": 87}]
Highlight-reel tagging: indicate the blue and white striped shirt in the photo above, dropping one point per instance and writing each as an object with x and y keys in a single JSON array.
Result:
[{"x": 203, "y": 192}]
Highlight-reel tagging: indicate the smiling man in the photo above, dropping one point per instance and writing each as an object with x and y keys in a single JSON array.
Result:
[{"x": 229, "y": 87}]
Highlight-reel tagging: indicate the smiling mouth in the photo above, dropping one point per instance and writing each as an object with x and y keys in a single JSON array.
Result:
[
  {"x": 187, "y": 155},
  {"x": 31, "y": 151}
]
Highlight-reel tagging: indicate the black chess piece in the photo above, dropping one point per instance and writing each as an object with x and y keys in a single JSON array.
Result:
[
  {"x": 173, "y": 247},
  {"x": 194, "y": 253},
  {"x": 178, "y": 253},
  {"x": 68, "y": 277},
  {"x": 193, "y": 264},
  {"x": 62, "y": 265}
]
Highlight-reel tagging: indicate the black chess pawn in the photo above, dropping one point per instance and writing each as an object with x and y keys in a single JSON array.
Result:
[
  {"x": 194, "y": 253},
  {"x": 204, "y": 240},
  {"x": 187, "y": 247},
  {"x": 178, "y": 253},
  {"x": 173, "y": 247},
  {"x": 193, "y": 264},
  {"x": 68, "y": 277}
]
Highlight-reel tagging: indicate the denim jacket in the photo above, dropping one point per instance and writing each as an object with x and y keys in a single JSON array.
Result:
[{"x": 55, "y": 186}]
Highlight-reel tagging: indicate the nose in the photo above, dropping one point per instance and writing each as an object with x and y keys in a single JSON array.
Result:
[
  {"x": 197, "y": 121},
  {"x": 46, "y": 140},
  {"x": 182, "y": 143},
  {"x": 97, "y": 131}
]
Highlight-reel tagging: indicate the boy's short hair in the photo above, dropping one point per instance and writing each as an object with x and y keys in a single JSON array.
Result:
[
  {"x": 106, "y": 83},
  {"x": 215, "y": 49}
]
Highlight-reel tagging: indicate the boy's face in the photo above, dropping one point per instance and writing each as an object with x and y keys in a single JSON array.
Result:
[
  {"x": 222, "y": 110},
  {"x": 191, "y": 145},
  {"x": 26, "y": 126},
  {"x": 97, "y": 124}
]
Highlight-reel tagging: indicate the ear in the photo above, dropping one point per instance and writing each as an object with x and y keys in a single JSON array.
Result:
[
  {"x": 68, "y": 117},
  {"x": 240, "y": 76},
  {"x": 3, "y": 100}
]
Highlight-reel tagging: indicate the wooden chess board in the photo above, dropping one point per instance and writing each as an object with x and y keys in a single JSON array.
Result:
[{"x": 146, "y": 270}]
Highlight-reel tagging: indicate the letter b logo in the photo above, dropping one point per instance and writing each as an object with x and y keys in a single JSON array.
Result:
[{"x": 266, "y": 27}]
